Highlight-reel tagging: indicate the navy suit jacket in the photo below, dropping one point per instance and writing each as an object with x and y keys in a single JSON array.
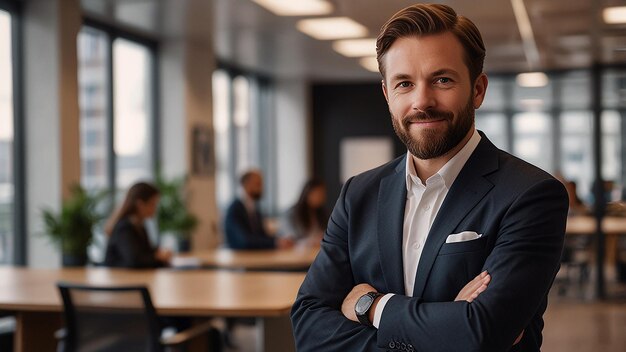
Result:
[
  {"x": 242, "y": 232},
  {"x": 520, "y": 211}
]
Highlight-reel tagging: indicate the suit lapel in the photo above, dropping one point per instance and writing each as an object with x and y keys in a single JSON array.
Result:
[
  {"x": 467, "y": 190},
  {"x": 391, "y": 203}
]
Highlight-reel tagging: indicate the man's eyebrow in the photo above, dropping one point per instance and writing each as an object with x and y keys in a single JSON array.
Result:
[
  {"x": 445, "y": 71},
  {"x": 400, "y": 76}
]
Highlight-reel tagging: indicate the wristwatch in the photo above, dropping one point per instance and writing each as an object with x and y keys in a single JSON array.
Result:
[{"x": 363, "y": 305}]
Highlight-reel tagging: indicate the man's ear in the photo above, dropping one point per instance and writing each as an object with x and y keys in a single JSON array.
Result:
[
  {"x": 480, "y": 88},
  {"x": 384, "y": 87}
]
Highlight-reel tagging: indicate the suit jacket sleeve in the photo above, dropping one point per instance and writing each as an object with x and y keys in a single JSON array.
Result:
[
  {"x": 317, "y": 320},
  {"x": 522, "y": 265},
  {"x": 239, "y": 234}
]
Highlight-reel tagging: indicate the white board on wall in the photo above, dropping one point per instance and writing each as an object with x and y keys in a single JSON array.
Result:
[{"x": 359, "y": 154}]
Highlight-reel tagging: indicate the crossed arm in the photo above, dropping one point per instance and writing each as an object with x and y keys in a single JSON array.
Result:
[{"x": 468, "y": 293}]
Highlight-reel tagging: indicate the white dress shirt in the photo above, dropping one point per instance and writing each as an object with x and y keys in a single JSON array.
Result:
[{"x": 422, "y": 205}]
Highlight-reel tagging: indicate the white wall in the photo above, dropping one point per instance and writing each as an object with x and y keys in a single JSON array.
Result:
[{"x": 51, "y": 116}]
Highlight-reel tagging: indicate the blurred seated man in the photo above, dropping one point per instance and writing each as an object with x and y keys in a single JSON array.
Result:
[{"x": 243, "y": 223}]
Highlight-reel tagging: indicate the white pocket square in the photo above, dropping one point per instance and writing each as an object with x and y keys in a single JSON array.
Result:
[{"x": 463, "y": 236}]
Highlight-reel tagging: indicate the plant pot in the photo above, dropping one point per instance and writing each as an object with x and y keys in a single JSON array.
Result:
[
  {"x": 183, "y": 245},
  {"x": 70, "y": 260}
]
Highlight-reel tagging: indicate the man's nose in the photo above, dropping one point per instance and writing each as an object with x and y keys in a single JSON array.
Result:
[{"x": 423, "y": 98}]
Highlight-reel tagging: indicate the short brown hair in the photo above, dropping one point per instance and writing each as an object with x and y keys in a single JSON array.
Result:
[{"x": 425, "y": 19}]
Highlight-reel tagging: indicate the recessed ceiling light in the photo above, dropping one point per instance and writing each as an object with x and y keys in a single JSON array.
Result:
[
  {"x": 297, "y": 8},
  {"x": 532, "y": 79},
  {"x": 332, "y": 28},
  {"x": 614, "y": 15},
  {"x": 355, "y": 47},
  {"x": 369, "y": 63}
]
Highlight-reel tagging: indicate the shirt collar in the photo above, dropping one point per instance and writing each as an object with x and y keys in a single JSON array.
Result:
[{"x": 450, "y": 170}]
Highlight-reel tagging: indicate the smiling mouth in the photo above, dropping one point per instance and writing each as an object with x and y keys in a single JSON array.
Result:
[{"x": 423, "y": 122}]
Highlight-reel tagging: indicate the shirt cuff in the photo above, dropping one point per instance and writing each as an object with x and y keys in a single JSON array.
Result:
[{"x": 378, "y": 312}]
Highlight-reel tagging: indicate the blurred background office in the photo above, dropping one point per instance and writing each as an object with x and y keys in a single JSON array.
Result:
[{"x": 106, "y": 93}]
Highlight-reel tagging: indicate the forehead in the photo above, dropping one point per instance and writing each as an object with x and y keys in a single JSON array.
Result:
[{"x": 424, "y": 55}]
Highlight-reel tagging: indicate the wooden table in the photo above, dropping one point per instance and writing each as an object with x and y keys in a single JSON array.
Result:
[
  {"x": 607, "y": 250},
  {"x": 31, "y": 294},
  {"x": 297, "y": 258},
  {"x": 586, "y": 225}
]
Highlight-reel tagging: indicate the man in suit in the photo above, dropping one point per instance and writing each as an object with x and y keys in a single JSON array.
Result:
[
  {"x": 243, "y": 222},
  {"x": 451, "y": 247}
]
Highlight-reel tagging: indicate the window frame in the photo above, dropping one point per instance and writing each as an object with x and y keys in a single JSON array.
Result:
[
  {"x": 263, "y": 111},
  {"x": 151, "y": 44},
  {"x": 19, "y": 249}
]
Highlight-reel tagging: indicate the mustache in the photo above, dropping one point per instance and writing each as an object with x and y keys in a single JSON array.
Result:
[{"x": 429, "y": 115}]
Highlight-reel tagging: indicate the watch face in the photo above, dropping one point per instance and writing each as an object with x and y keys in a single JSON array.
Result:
[{"x": 363, "y": 304}]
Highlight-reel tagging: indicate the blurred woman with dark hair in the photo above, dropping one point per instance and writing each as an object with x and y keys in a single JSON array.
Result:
[
  {"x": 306, "y": 221},
  {"x": 129, "y": 245}
]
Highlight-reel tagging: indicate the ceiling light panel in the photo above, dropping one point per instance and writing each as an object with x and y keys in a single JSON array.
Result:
[
  {"x": 614, "y": 15},
  {"x": 332, "y": 28},
  {"x": 356, "y": 47},
  {"x": 297, "y": 8},
  {"x": 532, "y": 79},
  {"x": 369, "y": 63}
]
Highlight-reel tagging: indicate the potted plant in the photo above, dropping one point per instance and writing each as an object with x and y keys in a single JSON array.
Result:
[
  {"x": 72, "y": 228},
  {"x": 172, "y": 214}
]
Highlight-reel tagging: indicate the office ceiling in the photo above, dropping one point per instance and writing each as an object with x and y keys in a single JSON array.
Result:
[{"x": 567, "y": 33}]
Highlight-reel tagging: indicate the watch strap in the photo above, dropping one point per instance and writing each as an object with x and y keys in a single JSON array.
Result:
[{"x": 365, "y": 317}]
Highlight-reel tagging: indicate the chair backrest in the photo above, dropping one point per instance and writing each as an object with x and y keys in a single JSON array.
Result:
[{"x": 109, "y": 319}]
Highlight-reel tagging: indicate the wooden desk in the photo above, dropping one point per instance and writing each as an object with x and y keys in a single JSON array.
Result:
[
  {"x": 586, "y": 225},
  {"x": 32, "y": 295},
  {"x": 280, "y": 259}
]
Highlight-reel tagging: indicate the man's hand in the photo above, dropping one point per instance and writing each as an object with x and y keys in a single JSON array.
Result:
[
  {"x": 347, "y": 307},
  {"x": 284, "y": 243},
  {"x": 474, "y": 288}
]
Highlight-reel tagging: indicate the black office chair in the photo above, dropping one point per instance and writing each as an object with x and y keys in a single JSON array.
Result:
[
  {"x": 116, "y": 319},
  {"x": 575, "y": 262}
]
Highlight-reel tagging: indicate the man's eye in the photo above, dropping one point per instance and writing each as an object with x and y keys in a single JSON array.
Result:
[
  {"x": 404, "y": 84},
  {"x": 443, "y": 80}
]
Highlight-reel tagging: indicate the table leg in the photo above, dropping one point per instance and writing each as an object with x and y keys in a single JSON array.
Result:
[
  {"x": 34, "y": 331},
  {"x": 274, "y": 334}
]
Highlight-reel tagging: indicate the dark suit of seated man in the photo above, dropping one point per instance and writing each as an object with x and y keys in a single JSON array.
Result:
[
  {"x": 243, "y": 223},
  {"x": 405, "y": 239}
]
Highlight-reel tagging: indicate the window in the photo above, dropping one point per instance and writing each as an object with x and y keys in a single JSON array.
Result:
[
  {"x": 93, "y": 57},
  {"x": 494, "y": 127},
  {"x": 552, "y": 126},
  {"x": 116, "y": 105},
  {"x": 611, "y": 154},
  {"x": 577, "y": 150},
  {"x": 241, "y": 122},
  {"x": 224, "y": 178},
  {"x": 7, "y": 140},
  {"x": 132, "y": 84},
  {"x": 532, "y": 138}
]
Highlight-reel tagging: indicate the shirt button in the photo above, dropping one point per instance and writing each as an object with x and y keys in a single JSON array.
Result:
[
  {"x": 427, "y": 207},
  {"x": 417, "y": 245}
]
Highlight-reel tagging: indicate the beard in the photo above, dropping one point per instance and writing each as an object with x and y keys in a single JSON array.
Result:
[
  {"x": 433, "y": 144},
  {"x": 256, "y": 195}
]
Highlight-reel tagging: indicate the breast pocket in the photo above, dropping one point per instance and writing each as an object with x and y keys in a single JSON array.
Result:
[{"x": 464, "y": 247}]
